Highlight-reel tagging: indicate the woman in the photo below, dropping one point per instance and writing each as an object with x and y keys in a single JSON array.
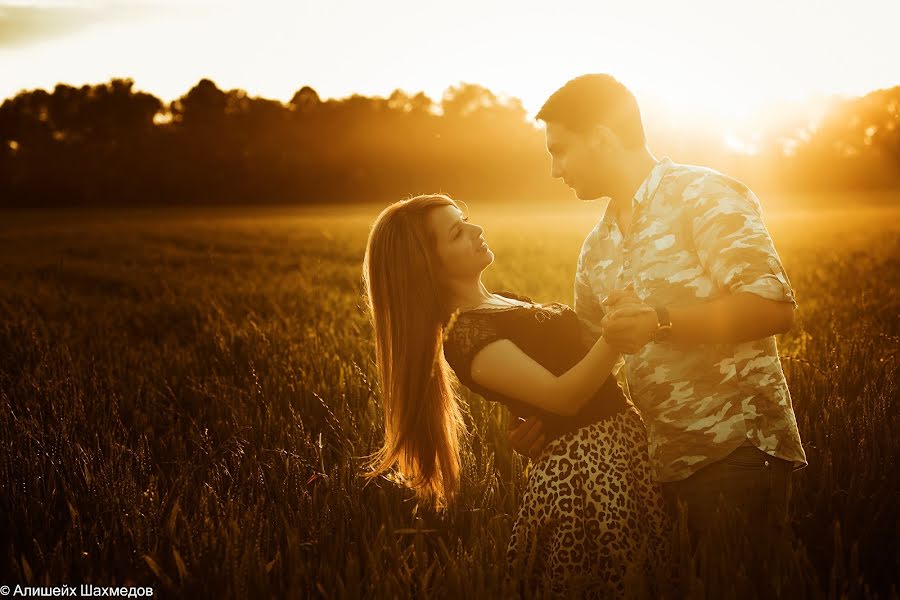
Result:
[{"x": 591, "y": 514}]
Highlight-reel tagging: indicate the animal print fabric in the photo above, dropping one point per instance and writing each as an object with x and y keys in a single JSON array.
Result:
[{"x": 593, "y": 522}]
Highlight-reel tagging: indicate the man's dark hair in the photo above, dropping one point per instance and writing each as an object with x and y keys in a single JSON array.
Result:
[{"x": 596, "y": 99}]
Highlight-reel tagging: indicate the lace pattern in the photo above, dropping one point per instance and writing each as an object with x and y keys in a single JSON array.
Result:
[{"x": 472, "y": 331}]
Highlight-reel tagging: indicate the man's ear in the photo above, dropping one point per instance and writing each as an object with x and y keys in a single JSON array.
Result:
[{"x": 603, "y": 137}]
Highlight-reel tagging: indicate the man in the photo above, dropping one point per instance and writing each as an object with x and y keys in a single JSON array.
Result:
[{"x": 681, "y": 276}]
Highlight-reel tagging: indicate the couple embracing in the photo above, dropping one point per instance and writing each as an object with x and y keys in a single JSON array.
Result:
[{"x": 658, "y": 396}]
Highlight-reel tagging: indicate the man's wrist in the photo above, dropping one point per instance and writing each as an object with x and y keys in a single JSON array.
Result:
[{"x": 663, "y": 324}]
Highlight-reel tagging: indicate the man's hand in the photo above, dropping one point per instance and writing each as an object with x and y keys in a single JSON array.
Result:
[
  {"x": 630, "y": 328},
  {"x": 620, "y": 298},
  {"x": 527, "y": 436},
  {"x": 629, "y": 323}
]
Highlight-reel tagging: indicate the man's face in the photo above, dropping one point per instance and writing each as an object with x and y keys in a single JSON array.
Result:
[{"x": 586, "y": 162}]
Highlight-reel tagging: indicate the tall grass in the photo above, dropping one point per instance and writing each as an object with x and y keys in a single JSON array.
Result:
[{"x": 186, "y": 399}]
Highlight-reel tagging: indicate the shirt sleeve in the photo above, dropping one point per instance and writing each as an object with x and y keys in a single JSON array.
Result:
[
  {"x": 731, "y": 240},
  {"x": 467, "y": 337}
]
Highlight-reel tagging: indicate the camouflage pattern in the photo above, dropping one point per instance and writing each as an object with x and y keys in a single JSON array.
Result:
[{"x": 695, "y": 234}]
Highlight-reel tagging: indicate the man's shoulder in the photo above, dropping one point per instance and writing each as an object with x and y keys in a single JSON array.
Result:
[
  {"x": 679, "y": 170},
  {"x": 692, "y": 184}
]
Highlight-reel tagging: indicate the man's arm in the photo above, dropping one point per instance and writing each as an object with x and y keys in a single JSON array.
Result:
[
  {"x": 526, "y": 436},
  {"x": 731, "y": 319}
]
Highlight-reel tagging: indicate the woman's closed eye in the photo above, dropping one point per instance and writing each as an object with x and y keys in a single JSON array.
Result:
[{"x": 459, "y": 231}]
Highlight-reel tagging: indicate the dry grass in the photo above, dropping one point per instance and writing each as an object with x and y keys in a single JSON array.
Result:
[{"x": 185, "y": 397}]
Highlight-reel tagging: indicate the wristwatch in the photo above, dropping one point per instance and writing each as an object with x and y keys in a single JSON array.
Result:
[{"x": 663, "y": 326}]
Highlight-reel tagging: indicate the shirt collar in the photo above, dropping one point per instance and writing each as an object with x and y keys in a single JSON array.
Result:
[{"x": 651, "y": 183}]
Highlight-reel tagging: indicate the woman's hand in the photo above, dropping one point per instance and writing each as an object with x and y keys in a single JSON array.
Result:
[
  {"x": 630, "y": 327},
  {"x": 629, "y": 323}
]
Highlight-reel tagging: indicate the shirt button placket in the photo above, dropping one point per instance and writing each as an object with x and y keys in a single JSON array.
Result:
[{"x": 627, "y": 244}]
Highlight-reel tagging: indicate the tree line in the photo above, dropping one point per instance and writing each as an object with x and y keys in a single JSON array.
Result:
[{"x": 108, "y": 144}]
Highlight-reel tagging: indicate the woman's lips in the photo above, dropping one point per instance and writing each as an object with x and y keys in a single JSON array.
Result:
[{"x": 483, "y": 246}]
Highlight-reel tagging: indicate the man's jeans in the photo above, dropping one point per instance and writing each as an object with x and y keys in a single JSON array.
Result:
[
  {"x": 737, "y": 512},
  {"x": 750, "y": 481}
]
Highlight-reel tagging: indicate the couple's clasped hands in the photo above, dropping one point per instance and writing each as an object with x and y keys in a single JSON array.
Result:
[{"x": 629, "y": 323}]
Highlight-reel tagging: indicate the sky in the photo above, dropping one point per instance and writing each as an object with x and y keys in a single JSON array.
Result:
[{"x": 700, "y": 59}]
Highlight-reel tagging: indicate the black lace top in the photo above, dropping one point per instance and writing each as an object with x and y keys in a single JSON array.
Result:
[{"x": 551, "y": 335}]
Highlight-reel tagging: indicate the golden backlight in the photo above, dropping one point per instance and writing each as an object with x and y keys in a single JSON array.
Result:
[{"x": 714, "y": 64}]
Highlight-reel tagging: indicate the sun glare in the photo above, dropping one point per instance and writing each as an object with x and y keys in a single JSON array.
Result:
[{"x": 714, "y": 66}]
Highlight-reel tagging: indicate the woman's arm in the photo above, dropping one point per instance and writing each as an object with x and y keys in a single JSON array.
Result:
[{"x": 503, "y": 367}]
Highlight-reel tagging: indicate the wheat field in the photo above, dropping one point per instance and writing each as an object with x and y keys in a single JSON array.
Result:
[{"x": 187, "y": 396}]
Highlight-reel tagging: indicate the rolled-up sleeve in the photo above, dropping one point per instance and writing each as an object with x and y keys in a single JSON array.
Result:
[{"x": 732, "y": 242}]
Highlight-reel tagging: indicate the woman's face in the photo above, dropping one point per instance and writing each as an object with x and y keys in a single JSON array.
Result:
[{"x": 460, "y": 247}]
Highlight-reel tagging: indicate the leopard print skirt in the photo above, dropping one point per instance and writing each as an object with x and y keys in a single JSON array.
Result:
[{"x": 592, "y": 522}]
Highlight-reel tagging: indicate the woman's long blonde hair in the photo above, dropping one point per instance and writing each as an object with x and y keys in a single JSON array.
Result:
[{"x": 424, "y": 425}]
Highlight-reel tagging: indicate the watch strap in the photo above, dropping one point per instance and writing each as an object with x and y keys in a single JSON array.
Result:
[
  {"x": 662, "y": 316},
  {"x": 663, "y": 326}
]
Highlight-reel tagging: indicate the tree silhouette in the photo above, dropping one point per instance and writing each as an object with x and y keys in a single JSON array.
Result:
[
  {"x": 305, "y": 100},
  {"x": 109, "y": 144},
  {"x": 203, "y": 107}
]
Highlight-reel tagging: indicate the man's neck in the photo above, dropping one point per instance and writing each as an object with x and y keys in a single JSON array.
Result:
[{"x": 622, "y": 202}]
